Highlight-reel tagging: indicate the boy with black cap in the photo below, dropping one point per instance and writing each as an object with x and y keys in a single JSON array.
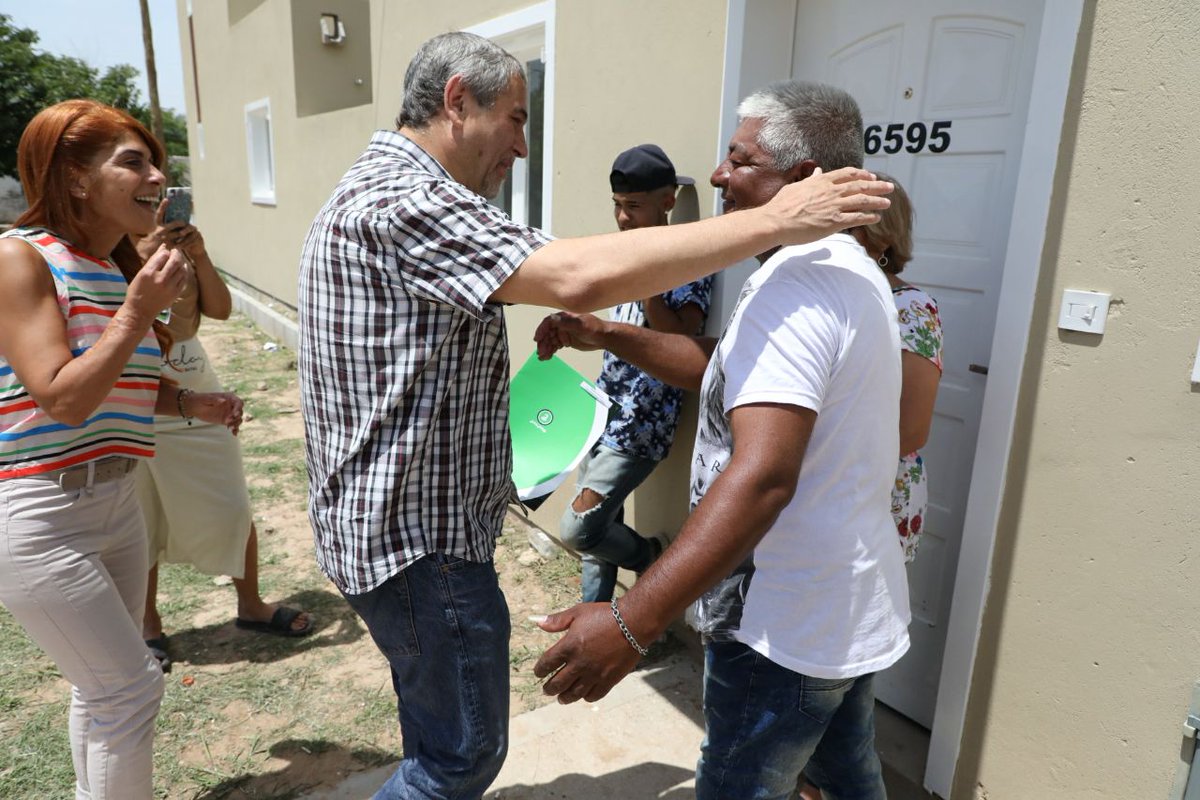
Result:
[{"x": 645, "y": 411}]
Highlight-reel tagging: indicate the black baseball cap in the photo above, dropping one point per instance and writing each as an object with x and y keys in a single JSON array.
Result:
[{"x": 643, "y": 169}]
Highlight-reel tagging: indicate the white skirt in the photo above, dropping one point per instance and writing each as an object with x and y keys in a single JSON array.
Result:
[{"x": 193, "y": 492}]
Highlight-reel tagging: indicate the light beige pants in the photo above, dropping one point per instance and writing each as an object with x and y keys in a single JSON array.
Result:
[{"x": 73, "y": 574}]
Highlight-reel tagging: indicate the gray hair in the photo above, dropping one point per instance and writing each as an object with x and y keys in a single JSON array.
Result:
[
  {"x": 486, "y": 68},
  {"x": 803, "y": 120}
]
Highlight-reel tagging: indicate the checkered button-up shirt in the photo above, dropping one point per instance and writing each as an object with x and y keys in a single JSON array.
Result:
[{"x": 404, "y": 366}]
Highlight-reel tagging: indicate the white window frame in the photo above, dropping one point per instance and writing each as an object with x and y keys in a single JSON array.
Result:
[
  {"x": 260, "y": 152},
  {"x": 519, "y": 33}
]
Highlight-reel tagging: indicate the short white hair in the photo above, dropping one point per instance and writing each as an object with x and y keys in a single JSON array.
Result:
[{"x": 803, "y": 120}]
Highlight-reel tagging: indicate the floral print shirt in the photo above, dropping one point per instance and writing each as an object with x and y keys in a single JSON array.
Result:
[
  {"x": 920, "y": 333},
  {"x": 645, "y": 410}
]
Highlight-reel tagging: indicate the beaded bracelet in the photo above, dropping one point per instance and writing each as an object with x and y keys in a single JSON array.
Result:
[
  {"x": 179, "y": 398},
  {"x": 628, "y": 636}
]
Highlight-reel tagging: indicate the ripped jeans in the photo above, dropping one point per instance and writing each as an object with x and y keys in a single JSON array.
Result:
[{"x": 599, "y": 534}]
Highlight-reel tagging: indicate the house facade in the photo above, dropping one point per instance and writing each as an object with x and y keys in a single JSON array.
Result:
[{"x": 1049, "y": 147}]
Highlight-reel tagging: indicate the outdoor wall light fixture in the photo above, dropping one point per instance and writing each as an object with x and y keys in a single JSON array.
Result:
[{"x": 332, "y": 29}]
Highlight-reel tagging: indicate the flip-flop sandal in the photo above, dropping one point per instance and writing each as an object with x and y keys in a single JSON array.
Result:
[
  {"x": 158, "y": 649},
  {"x": 280, "y": 623}
]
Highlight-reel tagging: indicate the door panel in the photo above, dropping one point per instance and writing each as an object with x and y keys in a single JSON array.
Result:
[
  {"x": 952, "y": 78},
  {"x": 989, "y": 87},
  {"x": 854, "y": 68}
]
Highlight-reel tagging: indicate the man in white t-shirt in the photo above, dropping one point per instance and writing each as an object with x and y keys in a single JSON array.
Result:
[{"x": 790, "y": 554}]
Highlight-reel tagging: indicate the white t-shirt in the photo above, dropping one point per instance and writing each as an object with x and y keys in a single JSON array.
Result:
[{"x": 824, "y": 593}]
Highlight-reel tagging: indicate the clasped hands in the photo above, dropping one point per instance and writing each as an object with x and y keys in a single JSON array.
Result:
[{"x": 566, "y": 329}]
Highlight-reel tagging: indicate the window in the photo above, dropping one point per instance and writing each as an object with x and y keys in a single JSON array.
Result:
[
  {"x": 261, "y": 156},
  {"x": 521, "y": 194},
  {"x": 529, "y": 35}
]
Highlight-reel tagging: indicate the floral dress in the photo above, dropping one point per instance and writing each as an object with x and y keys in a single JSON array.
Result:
[{"x": 920, "y": 333}]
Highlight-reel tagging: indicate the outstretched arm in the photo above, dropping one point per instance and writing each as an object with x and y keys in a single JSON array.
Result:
[
  {"x": 594, "y": 272},
  {"x": 673, "y": 358},
  {"x": 739, "y": 508}
]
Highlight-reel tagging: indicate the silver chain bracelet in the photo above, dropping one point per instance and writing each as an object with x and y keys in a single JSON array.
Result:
[
  {"x": 628, "y": 636},
  {"x": 179, "y": 398}
]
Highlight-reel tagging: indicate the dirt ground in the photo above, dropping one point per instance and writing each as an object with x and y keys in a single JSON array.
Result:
[
  {"x": 531, "y": 583},
  {"x": 248, "y": 715}
]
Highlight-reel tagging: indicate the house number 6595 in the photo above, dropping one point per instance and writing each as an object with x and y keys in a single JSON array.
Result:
[{"x": 913, "y": 138}]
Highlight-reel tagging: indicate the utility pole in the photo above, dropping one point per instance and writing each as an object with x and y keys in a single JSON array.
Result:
[{"x": 156, "y": 119}]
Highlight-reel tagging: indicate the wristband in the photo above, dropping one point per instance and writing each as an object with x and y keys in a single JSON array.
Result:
[
  {"x": 179, "y": 398},
  {"x": 628, "y": 636}
]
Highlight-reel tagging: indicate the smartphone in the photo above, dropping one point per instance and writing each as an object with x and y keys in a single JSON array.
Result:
[{"x": 179, "y": 205}]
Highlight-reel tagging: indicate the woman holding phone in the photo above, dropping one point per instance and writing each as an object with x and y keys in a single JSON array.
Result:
[
  {"x": 194, "y": 494},
  {"x": 79, "y": 382}
]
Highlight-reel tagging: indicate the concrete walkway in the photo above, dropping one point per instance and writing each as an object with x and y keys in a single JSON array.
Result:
[{"x": 639, "y": 743}]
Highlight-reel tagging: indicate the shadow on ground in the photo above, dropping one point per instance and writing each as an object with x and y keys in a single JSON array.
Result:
[
  {"x": 667, "y": 681},
  {"x": 311, "y": 762},
  {"x": 648, "y": 781},
  {"x": 225, "y": 643}
]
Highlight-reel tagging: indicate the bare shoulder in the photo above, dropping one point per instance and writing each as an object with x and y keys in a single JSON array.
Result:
[
  {"x": 18, "y": 254},
  {"x": 12, "y": 247},
  {"x": 23, "y": 272}
]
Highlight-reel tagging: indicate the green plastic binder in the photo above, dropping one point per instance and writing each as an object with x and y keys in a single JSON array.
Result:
[{"x": 555, "y": 415}]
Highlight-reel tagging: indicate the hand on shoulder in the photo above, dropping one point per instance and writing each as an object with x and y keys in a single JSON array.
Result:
[{"x": 827, "y": 202}]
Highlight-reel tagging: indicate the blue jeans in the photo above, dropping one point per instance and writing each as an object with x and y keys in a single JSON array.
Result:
[
  {"x": 443, "y": 625},
  {"x": 600, "y": 534},
  {"x": 765, "y": 724}
]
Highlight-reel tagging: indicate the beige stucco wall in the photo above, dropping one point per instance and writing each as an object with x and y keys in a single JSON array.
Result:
[
  {"x": 1092, "y": 633},
  {"x": 626, "y": 73},
  {"x": 239, "y": 64},
  {"x": 619, "y": 84},
  {"x": 330, "y": 77}
]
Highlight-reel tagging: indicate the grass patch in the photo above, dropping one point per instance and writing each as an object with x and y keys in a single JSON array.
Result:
[
  {"x": 261, "y": 716},
  {"x": 261, "y": 494},
  {"x": 35, "y": 758},
  {"x": 279, "y": 449}
]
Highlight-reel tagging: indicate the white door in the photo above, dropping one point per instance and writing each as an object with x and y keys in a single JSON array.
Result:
[{"x": 944, "y": 89}]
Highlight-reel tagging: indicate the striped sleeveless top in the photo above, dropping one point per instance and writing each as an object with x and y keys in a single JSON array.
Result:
[{"x": 89, "y": 293}]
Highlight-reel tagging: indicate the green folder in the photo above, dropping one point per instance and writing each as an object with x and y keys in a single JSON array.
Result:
[{"x": 555, "y": 415}]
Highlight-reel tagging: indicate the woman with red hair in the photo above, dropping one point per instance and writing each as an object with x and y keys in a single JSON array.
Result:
[{"x": 80, "y": 350}]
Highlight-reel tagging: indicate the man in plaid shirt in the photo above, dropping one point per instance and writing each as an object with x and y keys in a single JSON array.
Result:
[{"x": 404, "y": 379}]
